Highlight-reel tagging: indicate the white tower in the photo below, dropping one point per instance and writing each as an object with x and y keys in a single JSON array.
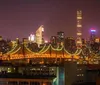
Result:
[
  {"x": 39, "y": 35},
  {"x": 79, "y": 28}
]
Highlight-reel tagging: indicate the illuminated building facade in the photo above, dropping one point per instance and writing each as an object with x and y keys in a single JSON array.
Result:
[
  {"x": 53, "y": 39},
  {"x": 79, "y": 28},
  {"x": 92, "y": 35},
  {"x": 94, "y": 41},
  {"x": 26, "y": 75},
  {"x": 70, "y": 44},
  {"x": 39, "y": 35},
  {"x": 60, "y": 36},
  {"x": 59, "y": 39},
  {"x": 31, "y": 38}
]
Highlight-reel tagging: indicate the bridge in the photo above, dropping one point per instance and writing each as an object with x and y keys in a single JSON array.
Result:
[{"x": 49, "y": 53}]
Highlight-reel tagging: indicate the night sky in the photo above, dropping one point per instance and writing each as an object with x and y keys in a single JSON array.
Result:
[{"x": 19, "y": 18}]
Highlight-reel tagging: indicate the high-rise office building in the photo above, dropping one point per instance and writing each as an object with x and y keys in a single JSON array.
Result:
[
  {"x": 92, "y": 35},
  {"x": 79, "y": 28},
  {"x": 39, "y": 35},
  {"x": 60, "y": 36},
  {"x": 69, "y": 44}
]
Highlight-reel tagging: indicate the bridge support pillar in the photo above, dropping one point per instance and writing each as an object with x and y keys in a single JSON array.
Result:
[{"x": 70, "y": 72}]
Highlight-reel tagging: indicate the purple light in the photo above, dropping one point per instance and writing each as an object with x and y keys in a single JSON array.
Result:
[{"x": 93, "y": 30}]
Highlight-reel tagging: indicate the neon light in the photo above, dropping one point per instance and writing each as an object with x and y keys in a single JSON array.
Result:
[
  {"x": 29, "y": 49},
  {"x": 93, "y": 30},
  {"x": 43, "y": 53},
  {"x": 46, "y": 49},
  {"x": 57, "y": 49},
  {"x": 12, "y": 49},
  {"x": 42, "y": 49},
  {"x": 16, "y": 50},
  {"x": 36, "y": 52}
]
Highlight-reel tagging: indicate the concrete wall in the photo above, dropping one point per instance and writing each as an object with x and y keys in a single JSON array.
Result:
[{"x": 70, "y": 72}]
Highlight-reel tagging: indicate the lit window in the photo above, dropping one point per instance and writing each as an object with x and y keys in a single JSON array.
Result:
[
  {"x": 9, "y": 70},
  {"x": 82, "y": 74},
  {"x": 78, "y": 75}
]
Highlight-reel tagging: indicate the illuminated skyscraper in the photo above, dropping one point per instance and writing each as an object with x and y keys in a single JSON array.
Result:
[
  {"x": 31, "y": 38},
  {"x": 39, "y": 35},
  {"x": 92, "y": 35},
  {"x": 79, "y": 28},
  {"x": 60, "y": 36}
]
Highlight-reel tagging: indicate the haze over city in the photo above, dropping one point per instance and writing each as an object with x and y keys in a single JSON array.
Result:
[{"x": 19, "y": 18}]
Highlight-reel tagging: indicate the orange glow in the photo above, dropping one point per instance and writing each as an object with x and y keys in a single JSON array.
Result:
[
  {"x": 44, "y": 84},
  {"x": 20, "y": 56},
  {"x": 48, "y": 56}
]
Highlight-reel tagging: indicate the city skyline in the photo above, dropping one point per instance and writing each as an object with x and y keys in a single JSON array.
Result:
[{"x": 20, "y": 18}]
